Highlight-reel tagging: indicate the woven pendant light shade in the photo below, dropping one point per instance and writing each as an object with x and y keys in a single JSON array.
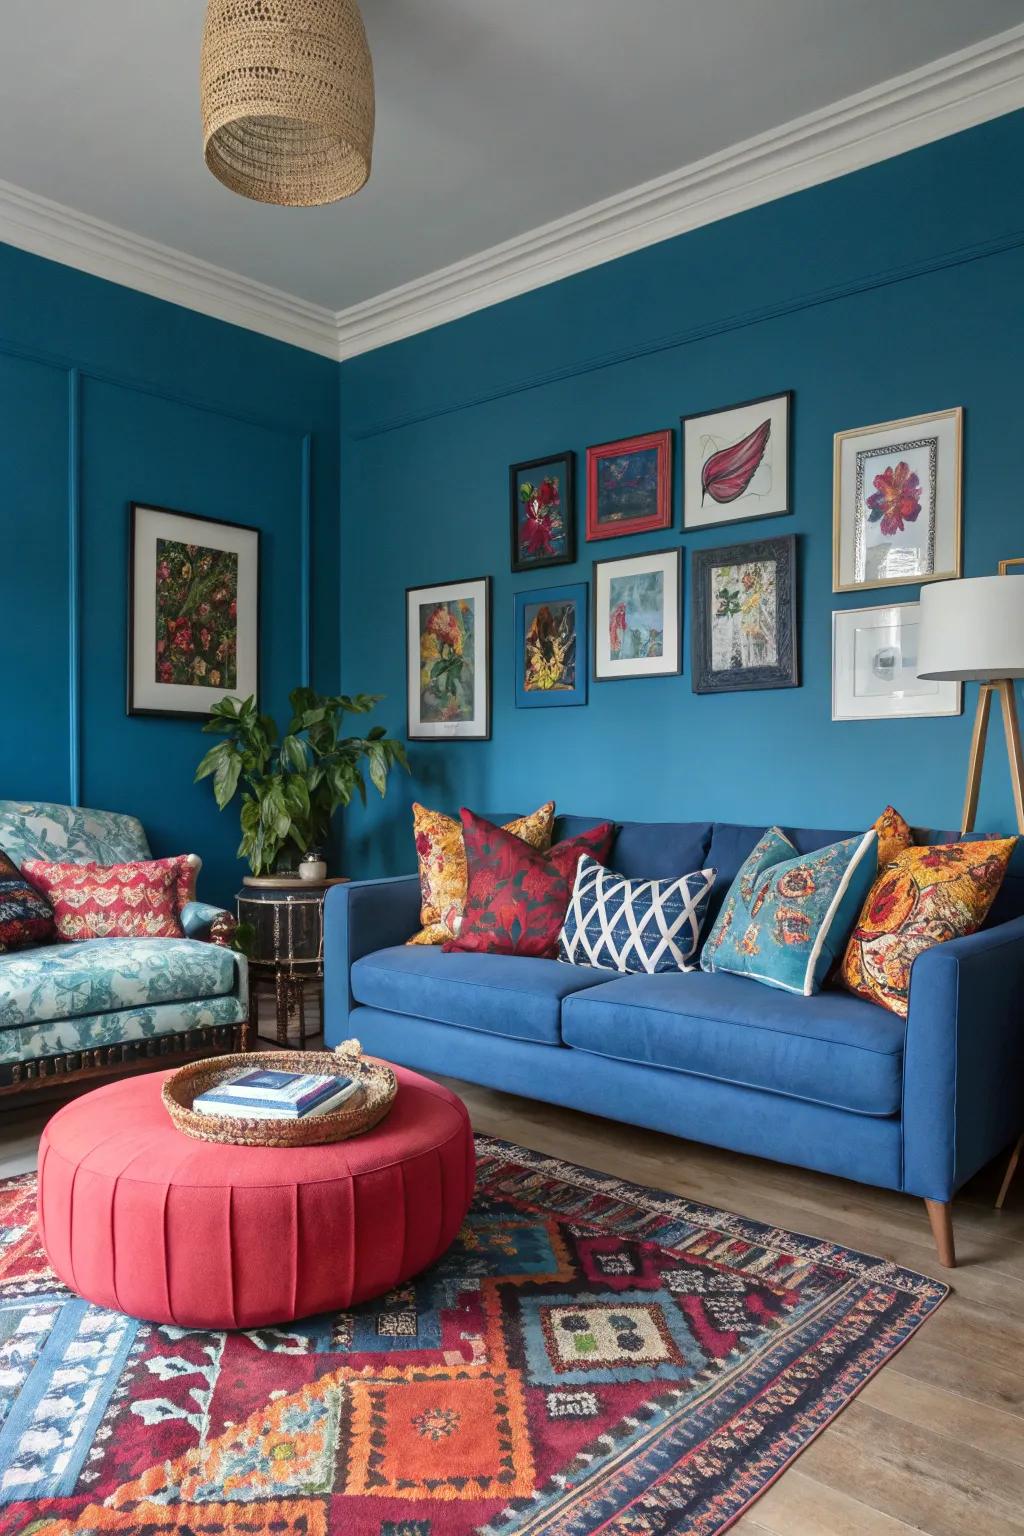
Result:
[{"x": 287, "y": 98}]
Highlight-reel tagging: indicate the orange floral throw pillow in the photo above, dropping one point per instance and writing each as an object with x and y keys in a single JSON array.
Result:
[
  {"x": 444, "y": 874},
  {"x": 893, "y": 836},
  {"x": 119, "y": 901},
  {"x": 923, "y": 897}
]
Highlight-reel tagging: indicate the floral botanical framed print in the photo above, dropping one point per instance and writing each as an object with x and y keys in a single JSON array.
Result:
[
  {"x": 629, "y": 486},
  {"x": 550, "y": 646},
  {"x": 638, "y": 616},
  {"x": 193, "y": 611},
  {"x": 736, "y": 462},
  {"x": 448, "y": 660},
  {"x": 744, "y": 616},
  {"x": 542, "y": 509},
  {"x": 874, "y": 666},
  {"x": 896, "y": 502}
]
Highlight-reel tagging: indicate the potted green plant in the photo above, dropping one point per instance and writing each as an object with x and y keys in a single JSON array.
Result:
[{"x": 292, "y": 787}]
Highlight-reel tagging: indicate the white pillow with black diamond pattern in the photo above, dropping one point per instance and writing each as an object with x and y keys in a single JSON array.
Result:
[{"x": 634, "y": 925}]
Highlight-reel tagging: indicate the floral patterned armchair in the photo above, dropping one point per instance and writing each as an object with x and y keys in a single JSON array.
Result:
[{"x": 110, "y": 1005}]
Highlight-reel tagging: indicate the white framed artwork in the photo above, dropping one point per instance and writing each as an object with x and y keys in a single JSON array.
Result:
[{"x": 874, "y": 666}]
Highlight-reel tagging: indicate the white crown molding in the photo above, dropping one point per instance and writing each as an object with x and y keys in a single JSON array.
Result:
[
  {"x": 943, "y": 97},
  {"x": 75, "y": 239}
]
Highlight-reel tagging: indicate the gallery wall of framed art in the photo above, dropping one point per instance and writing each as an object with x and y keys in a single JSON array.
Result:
[
  {"x": 896, "y": 520},
  {"x": 794, "y": 299}
]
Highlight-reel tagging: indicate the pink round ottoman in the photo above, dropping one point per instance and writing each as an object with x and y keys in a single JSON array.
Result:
[{"x": 137, "y": 1217}]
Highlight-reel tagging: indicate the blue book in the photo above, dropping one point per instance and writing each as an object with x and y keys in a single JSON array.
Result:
[{"x": 216, "y": 1102}]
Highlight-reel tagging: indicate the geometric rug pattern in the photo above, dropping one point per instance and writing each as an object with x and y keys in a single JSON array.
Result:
[{"x": 590, "y": 1356}]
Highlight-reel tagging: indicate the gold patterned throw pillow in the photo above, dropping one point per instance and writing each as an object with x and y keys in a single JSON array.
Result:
[
  {"x": 893, "y": 836},
  {"x": 443, "y": 871},
  {"x": 923, "y": 897}
]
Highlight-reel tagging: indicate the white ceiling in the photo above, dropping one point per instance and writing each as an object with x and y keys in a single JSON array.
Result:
[{"x": 492, "y": 117}]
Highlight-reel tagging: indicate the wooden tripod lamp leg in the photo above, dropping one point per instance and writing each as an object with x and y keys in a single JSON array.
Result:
[
  {"x": 976, "y": 761},
  {"x": 1011, "y": 729},
  {"x": 1011, "y": 1169}
]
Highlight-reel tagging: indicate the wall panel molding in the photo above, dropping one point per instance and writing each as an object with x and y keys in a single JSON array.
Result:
[
  {"x": 76, "y": 375},
  {"x": 74, "y": 587},
  {"x": 716, "y": 326}
]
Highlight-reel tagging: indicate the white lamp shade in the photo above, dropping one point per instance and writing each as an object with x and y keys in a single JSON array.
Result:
[{"x": 972, "y": 629}]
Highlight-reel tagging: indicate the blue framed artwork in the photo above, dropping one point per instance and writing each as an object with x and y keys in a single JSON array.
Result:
[{"x": 550, "y": 647}]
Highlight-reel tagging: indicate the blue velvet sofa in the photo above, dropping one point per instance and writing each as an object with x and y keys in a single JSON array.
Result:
[
  {"x": 107, "y": 1006},
  {"x": 829, "y": 1082}
]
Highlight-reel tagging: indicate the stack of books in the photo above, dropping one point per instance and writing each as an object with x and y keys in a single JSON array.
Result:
[{"x": 271, "y": 1095}]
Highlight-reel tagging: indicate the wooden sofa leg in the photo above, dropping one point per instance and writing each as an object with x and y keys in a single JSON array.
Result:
[{"x": 940, "y": 1214}]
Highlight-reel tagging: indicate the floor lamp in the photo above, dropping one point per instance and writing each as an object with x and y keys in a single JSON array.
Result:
[{"x": 973, "y": 631}]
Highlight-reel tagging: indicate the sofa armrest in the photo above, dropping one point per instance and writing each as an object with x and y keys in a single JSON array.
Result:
[
  {"x": 198, "y": 916},
  {"x": 963, "y": 1071},
  {"x": 360, "y": 917}
]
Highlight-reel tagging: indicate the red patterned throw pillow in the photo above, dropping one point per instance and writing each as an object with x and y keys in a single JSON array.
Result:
[
  {"x": 119, "y": 901},
  {"x": 25, "y": 916},
  {"x": 517, "y": 895}
]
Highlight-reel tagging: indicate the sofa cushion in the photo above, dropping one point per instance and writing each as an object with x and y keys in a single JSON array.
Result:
[
  {"x": 68, "y": 981},
  {"x": 114, "y": 901},
  {"x": 26, "y": 917},
  {"x": 788, "y": 915},
  {"x": 58, "y": 1037},
  {"x": 513, "y": 995},
  {"x": 518, "y": 895},
  {"x": 829, "y": 1049},
  {"x": 731, "y": 843}
]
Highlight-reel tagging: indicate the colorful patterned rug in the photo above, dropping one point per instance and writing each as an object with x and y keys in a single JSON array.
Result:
[{"x": 590, "y": 1356}]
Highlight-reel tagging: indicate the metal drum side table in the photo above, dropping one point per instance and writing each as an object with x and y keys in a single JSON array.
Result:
[{"x": 287, "y": 917}]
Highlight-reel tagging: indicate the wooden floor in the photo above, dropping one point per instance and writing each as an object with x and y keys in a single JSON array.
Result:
[{"x": 935, "y": 1442}]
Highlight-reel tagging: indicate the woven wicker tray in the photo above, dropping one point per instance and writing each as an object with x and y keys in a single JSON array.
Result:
[{"x": 361, "y": 1112}]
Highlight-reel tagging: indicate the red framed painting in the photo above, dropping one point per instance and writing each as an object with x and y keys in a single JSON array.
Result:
[{"x": 629, "y": 486}]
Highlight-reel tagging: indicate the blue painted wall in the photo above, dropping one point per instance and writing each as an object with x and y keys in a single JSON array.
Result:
[
  {"x": 890, "y": 292},
  {"x": 175, "y": 409}
]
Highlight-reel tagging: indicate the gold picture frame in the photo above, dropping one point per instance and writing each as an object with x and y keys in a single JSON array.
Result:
[{"x": 930, "y": 484}]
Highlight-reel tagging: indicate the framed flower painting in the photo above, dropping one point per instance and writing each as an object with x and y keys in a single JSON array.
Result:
[
  {"x": 896, "y": 502},
  {"x": 637, "y": 616},
  {"x": 550, "y": 646},
  {"x": 744, "y": 616},
  {"x": 874, "y": 667},
  {"x": 629, "y": 486},
  {"x": 542, "y": 507},
  {"x": 193, "y": 611},
  {"x": 736, "y": 462},
  {"x": 448, "y": 661}
]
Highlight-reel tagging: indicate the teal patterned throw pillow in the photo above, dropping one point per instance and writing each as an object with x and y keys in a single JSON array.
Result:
[{"x": 788, "y": 915}]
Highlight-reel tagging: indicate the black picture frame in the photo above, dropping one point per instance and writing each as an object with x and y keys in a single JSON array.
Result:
[
  {"x": 568, "y": 460},
  {"x": 454, "y": 734},
  {"x": 132, "y": 708},
  {"x": 784, "y": 673},
  {"x": 783, "y": 395}
]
